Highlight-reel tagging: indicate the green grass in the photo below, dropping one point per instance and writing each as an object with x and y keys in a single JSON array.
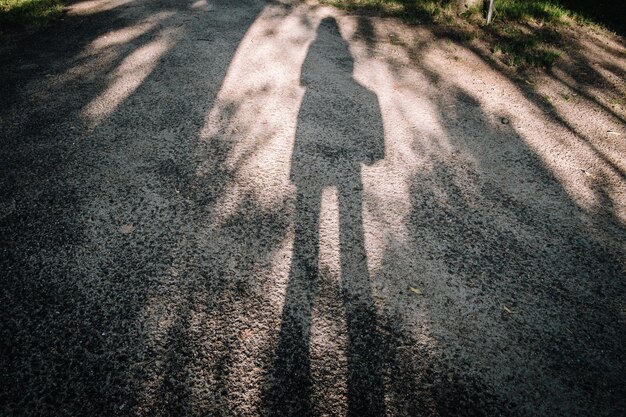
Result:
[
  {"x": 538, "y": 10},
  {"x": 524, "y": 33},
  {"x": 518, "y": 54},
  {"x": 27, "y": 14},
  {"x": 529, "y": 41},
  {"x": 412, "y": 10}
]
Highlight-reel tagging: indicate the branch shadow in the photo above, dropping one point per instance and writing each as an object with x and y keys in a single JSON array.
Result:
[
  {"x": 491, "y": 225},
  {"x": 95, "y": 319},
  {"x": 513, "y": 239}
]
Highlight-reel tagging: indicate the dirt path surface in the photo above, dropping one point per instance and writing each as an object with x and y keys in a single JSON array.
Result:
[{"x": 252, "y": 208}]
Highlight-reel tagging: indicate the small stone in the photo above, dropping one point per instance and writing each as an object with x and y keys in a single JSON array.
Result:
[
  {"x": 504, "y": 121},
  {"x": 127, "y": 228}
]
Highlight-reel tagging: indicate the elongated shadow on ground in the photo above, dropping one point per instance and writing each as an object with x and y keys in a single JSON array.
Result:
[{"x": 331, "y": 143}]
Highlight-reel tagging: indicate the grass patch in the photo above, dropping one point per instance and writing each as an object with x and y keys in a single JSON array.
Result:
[
  {"x": 520, "y": 45},
  {"x": 538, "y": 10},
  {"x": 28, "y": 14},
  {"x": 524, "y": 33},
  {"x": 412, "y": 10},
  {"x": 518, "y": 54}
]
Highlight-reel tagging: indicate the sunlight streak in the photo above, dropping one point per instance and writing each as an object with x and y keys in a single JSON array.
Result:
[
  {"x": 96, "y": 6},
  {"x": 127, "y": 34},
  {"x": 130, "y": 74},
  {"x": 257, "y": 107},
  {"x": 329, "y": 248}
]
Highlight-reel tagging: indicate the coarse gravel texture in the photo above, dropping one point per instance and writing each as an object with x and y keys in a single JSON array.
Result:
[{"x": 253, "y": 208}]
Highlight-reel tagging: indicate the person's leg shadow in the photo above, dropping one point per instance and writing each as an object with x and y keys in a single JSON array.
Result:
[
  {"x": 339, "y": 128},
  {"x": 289, "y": 391},
  {"x": 366, "y": 350}
]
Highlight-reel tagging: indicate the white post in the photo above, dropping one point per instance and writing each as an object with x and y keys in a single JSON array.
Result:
[{"x": 490, "y": 12}]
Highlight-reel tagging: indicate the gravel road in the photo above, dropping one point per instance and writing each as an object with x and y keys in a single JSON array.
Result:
[{"x": 247, "y": 208}]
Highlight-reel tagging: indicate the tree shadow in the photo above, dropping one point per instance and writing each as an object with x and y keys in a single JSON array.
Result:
[
  {"x": 519, "y": 263},
  {"x": 155, "y": 319},
  {"x": 552, "y": 258},
  {"x": 610, "y": 14},
  {"x": 339, "y": 129},
  {"x": 92, "y": 316},
  {"x": 493, "y": 224}
]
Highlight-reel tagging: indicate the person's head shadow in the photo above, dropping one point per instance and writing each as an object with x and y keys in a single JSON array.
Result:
[{"x": 339, "y": 129}]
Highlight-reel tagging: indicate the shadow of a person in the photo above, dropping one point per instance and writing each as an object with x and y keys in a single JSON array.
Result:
[{"x": 339, "y": 128}]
